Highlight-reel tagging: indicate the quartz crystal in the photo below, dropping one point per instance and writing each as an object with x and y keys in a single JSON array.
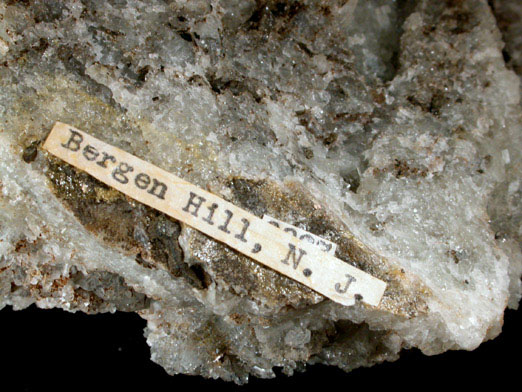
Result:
[{"x": 391, "y": 128}]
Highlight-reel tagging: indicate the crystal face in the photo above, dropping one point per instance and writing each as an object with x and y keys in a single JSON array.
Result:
[{"x": 392, "y": 129}]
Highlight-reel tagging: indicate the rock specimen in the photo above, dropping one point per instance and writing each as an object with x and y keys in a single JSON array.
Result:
[{"x": 390, "y": 128}]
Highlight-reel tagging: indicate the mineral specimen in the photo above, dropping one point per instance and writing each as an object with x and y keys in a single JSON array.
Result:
[{"x": 391, "y": 128}]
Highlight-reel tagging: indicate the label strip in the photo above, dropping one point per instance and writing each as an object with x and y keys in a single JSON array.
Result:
[{"x": 208, "y": 213}]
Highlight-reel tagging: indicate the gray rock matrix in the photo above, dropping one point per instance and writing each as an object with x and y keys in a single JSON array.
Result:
[{"x": 392, "y": 128}]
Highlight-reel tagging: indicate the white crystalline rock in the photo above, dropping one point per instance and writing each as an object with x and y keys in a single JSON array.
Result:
[{"x": 390, "y": 128}]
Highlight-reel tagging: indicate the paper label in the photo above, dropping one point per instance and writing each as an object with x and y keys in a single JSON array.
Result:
[
  {"x": 322, "y": 244},
  {"x": 210, "y": 214}
]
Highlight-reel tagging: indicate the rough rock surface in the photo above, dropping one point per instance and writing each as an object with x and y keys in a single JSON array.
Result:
[
  {"x": 392, "y": 128},
  {"x": 509, "y": 20}
]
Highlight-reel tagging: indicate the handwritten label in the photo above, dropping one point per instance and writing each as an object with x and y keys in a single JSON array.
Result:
[
  {"x": 322, "y": 244},
  {"x": 256, "y": 238}
]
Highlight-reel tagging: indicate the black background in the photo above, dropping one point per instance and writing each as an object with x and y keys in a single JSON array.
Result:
[{"x": 56, "y": 350}]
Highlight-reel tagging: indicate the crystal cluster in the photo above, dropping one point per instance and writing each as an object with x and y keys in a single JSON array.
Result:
[{"x": 392, "y": 128}]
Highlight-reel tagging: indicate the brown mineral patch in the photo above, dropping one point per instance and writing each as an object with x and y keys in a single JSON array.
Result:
[
  {"x": 30, "y": 152},
  {"x": 136, "y": 229},
  {"x": 401, "y": 169},
  {"x": 24, "y": 246},
  {"x": 243, "y": 276},
  {"x": 294, "y": 205}
]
